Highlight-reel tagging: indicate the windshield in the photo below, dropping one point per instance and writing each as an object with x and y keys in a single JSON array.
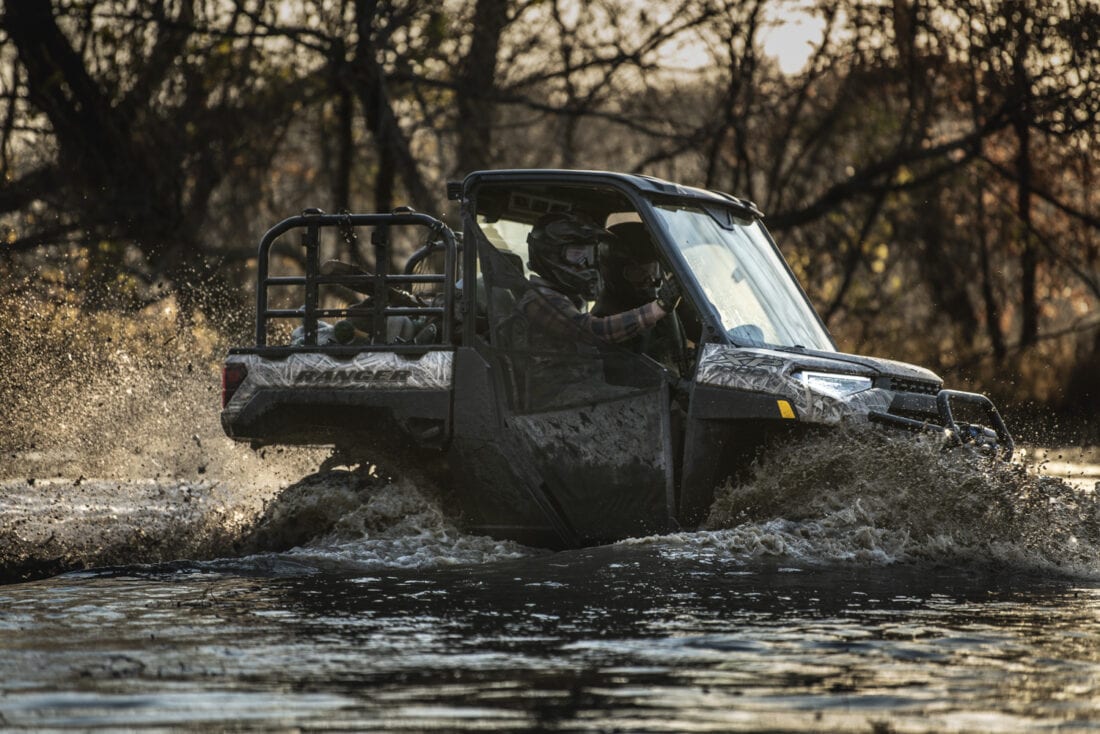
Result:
[{"x": 744, "y": 278}]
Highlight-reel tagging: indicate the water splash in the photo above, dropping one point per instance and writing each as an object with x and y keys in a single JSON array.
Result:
[
  {"x": 55, "y": 525},
  {"x": 357, "y": 519},
  {"x": 871, "y": 496},
  {"x": 112, "y": 453},
  {"x": 118, "y": 396}
]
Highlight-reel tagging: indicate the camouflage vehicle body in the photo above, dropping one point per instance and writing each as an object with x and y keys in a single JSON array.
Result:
[{"x": 631, "y": 442}]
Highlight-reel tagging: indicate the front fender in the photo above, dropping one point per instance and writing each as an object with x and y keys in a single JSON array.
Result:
[{"x": 763, "y": 378}]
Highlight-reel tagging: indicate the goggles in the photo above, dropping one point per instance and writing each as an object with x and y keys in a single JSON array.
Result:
[{"x": 583, "y": 256}]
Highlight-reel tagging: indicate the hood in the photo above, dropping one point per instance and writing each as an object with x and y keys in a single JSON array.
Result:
[{"x": 852, "y": 364}]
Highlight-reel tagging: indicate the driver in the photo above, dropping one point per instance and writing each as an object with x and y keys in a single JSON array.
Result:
[
  {"x": 563, "y": 251},
  {"x": 567, "y": 343}
]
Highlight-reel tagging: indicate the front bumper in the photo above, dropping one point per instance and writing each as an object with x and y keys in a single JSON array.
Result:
[
  {"x": 900, "y": 394},
  {"x": 995, "y": 434}
]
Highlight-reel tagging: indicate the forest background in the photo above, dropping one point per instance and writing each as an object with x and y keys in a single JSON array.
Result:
[{"x": 929, "y": 171}]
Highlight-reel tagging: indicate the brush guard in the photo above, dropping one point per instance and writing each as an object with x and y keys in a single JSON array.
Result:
[{"x": 995, "y": 435}]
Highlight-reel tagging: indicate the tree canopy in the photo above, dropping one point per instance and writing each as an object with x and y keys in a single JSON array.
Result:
[{"x": 928, "y": 173}]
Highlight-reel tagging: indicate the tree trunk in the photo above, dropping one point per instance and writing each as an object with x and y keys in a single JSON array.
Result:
[
  {"x": 1029, "y": 257},
  {"x": 477, "y": 86},
  {"x": 382, "y": 122},
  {"x": 345, "y": 151},
  {"x": 992, "y": 309}
]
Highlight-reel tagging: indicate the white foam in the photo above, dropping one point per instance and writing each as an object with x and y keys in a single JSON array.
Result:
[
  {"x": 379, "y": 524},
  {"x": 876, "y": 498}
]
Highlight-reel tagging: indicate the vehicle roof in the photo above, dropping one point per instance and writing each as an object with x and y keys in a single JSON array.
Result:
[{"x": 641, "y": 183}]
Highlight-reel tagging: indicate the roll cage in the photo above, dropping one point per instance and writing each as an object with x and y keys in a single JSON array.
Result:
[{"x": 486, "y": 196}]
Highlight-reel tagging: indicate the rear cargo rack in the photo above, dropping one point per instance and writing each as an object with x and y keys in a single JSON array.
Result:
[{"x": 378, "y": 284}]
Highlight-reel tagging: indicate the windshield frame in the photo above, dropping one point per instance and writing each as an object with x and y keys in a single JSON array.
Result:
[{"x": 791, "y": 298}]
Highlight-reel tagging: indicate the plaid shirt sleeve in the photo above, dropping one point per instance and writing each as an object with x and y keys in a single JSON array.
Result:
[{"x": 556, "y": 313}]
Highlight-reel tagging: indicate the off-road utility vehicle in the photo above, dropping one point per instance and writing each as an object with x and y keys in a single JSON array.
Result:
[{"x": 582, "y": 446}]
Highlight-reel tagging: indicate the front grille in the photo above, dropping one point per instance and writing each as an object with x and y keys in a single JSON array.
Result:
[{"x": 923, "y": 387}]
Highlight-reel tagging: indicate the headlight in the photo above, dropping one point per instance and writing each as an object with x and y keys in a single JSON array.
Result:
[{"x": 835, "y": 386}]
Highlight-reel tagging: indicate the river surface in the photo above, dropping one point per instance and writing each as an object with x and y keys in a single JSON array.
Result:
[
  {"x": 641, "y": 637},
  {"x": 806, "y": 608}
]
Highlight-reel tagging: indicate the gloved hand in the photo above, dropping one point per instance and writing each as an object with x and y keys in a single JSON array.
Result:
[{"x": 668, "y": 294}]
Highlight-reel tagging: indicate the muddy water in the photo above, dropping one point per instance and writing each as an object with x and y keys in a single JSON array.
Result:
[
  {"x": 923, "y": 592},
  {"x": 626, "y": 638}
]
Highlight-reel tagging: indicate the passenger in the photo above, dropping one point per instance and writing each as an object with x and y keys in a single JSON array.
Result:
[
  {"x": 631, "y": 278},
  {"x": 565, "y": 340},
  {"x": 629, "y": 269}
]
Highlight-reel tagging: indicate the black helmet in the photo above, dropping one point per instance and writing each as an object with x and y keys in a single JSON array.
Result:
[{"x": 563, "y": 248}]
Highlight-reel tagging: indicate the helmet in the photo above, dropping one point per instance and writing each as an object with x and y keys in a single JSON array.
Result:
[
  {"x": 563, "y": 249},
  {"x": 628, "y": 263}
]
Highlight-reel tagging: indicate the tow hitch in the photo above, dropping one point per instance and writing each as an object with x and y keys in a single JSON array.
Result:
[{"x": 959, "y": 432}]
